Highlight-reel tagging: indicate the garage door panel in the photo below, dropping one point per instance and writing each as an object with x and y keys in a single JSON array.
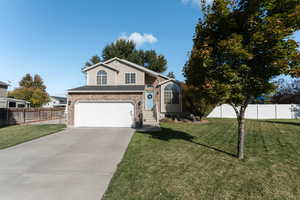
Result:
[{"x": 104, "y": 115}]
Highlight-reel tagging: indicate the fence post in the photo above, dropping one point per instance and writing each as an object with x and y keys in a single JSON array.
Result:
[
  {"x": 275, "y": 111},
  {"x": 7, "y": 120},
  {"x": 256, "y": 111},
  {"x": 221, "y": 111},
  {"x": 24, "y": 115},
  {"x": 292, "y": 111}
]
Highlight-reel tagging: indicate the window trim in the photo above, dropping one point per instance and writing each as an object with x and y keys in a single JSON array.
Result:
[
  {"x": 101, "y": 76},
  {"x": 135, "y": 74},
  {"x": 172, "y": 95}
]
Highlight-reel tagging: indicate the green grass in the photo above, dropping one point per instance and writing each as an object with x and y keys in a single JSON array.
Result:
[
  {"x": 188, "y": 161},
  {"x": 12, "y": 135}
]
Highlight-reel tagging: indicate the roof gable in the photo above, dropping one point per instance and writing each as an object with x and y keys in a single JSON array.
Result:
[
  {"x": 139, "y": 67},
  {"x": 169, "y": 80}
]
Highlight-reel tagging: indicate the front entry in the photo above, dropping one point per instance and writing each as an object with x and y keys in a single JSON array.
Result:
[{"x": 149, "y": 96}]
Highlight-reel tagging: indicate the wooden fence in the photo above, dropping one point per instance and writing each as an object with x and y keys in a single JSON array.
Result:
[{"x": 26, "y": 115}]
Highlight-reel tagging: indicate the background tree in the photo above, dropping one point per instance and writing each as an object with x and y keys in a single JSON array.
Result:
[
  {"x": 26, "y": 81},
  {"x": 32, "y": 90},
  {"x": 171, "y": 75},
  {"x": 94, "y": 60},
  {"x": 239, "y": 46},
  {"x": 287, "y": 92},
  {"x": 38, "y": 82},
  {"x": 125, "y": 49}
]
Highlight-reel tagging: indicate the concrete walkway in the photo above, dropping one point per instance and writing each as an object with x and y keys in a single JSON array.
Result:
[
  {"x": 75, "y": 164},
  {"x": 54, "y": 121}
]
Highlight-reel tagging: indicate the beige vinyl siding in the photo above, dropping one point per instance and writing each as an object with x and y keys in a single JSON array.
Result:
[
  {"x": 123, "y": 68},
  {"x": 3, "y": 92},
  {"x": 114, "y": 77},
  {"x": 92, "y": 75}
]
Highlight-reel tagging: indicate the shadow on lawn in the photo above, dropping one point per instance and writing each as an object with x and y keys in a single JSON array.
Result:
[
  {"x": 167, "y": 134},
  {"x": 283, "y": 122}
]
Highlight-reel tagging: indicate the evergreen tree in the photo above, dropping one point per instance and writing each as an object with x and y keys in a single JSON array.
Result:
[
  {"x": 94, "y": 60},
  {"x": 125, "y": 49},
  {"x": 171, "y": 75},
  {"x": 38, "y": 82},
  {"x": 27, "y": 81}
]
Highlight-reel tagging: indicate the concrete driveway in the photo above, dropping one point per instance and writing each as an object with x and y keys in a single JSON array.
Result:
[{"x": 75, "y": 164}]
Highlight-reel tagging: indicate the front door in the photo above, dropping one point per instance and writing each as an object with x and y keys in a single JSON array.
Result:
[{"x": 149, "y": 95}]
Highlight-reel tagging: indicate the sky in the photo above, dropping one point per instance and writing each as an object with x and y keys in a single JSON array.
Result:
[{"x": 55, "y": 38}]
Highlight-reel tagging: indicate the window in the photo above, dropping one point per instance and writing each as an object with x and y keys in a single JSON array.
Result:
[
  {"x": 21, "y": 106},
  {"x": 101, "y": 78},
  {"x": 171, "y": 94},
  {"x": 130, "y": 78},
  {"x": 12, "y": 104}
]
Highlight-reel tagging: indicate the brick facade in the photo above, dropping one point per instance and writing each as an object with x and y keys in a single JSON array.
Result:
[{"x": 135, "y": 98}]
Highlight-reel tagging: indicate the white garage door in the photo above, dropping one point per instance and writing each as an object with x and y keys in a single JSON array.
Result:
[{"x": 103, "y": 114}]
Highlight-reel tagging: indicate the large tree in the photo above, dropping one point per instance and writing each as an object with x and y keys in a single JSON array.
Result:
[
  {"x": 125, "y": 49},
  {"x": 32, "y": 90},
  {"x": 239, "y": 46}
]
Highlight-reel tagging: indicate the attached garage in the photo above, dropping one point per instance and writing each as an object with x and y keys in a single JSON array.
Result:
[
  {"x": 105, "y": 106},
  {"x": 104, "y": 114}
]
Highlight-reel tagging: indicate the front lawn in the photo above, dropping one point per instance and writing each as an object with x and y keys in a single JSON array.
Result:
[
  {"x": 12, "y": 135},
  {"x": 187, "y": 161}
]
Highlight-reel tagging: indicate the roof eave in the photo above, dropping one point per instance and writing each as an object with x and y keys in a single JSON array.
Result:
[{"x": 105, "y": 91}]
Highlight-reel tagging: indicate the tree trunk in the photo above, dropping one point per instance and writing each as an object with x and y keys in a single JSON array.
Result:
[{"x": 241, "y": 134}]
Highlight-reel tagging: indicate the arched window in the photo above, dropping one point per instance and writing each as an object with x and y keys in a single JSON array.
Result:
[
  {"x": 101, "y": 77},
  {"x": 171, "y": 94}
]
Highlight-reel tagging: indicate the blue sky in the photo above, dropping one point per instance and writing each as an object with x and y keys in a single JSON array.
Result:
[{"x": 55, "y": 38}]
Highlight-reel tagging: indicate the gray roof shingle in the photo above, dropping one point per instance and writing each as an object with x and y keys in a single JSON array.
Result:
[{"x": 108, "y": 88}]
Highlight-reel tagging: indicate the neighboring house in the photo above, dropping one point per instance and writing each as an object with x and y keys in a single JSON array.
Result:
[
  {"x": 6, "y": 102},
  {"x": 119, "y": 93},
  {"x": 56, "y": 102}
]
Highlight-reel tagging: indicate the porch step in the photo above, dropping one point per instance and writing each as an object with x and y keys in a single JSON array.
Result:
[
  {"x": 152, "y": 121},
  {"x": 151, "y": 124},
  {"x": 149, "y": 128},
  {"x": 149, "y": 119}
]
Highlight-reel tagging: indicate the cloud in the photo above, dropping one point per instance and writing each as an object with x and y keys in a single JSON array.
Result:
[
  {"x": 138, "y": 38},
  {"x": 195, "y": 2}
]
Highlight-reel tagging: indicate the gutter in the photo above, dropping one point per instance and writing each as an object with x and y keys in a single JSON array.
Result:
[{"x": 105, "y": 91}]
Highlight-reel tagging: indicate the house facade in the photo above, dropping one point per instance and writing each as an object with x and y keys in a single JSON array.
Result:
[
  {"x": 56, "y": 102},
  {"x": 119, "y": 93}
]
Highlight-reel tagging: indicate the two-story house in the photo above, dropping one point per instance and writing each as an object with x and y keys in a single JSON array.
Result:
[{"x": 119, "y": 93}]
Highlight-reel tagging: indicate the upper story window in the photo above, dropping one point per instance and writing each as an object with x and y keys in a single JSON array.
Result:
[
  {"x": 102, "y": 77},
  {"x": 171, "y": 94},
  {"x": 130, "y": 78}
]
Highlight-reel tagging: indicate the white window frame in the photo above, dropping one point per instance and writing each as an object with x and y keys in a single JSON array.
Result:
[
  {"x": 131, "y": 83},
  {"x": 172, "y": 94},
  {"x": 101, "y": 76}
]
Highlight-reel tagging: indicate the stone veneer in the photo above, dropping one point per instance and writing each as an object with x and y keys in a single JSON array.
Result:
[{"x": 135, "y": 98}]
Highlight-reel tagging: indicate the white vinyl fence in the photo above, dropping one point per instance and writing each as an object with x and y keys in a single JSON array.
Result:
[{"x": 259, "y": 111}]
